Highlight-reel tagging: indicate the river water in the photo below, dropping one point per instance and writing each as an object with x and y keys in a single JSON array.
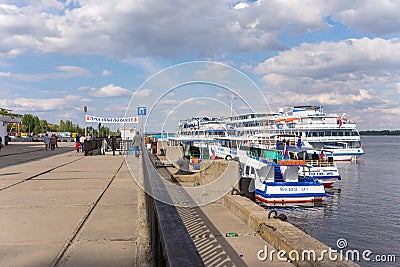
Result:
[{"x": 363, "y": 208}]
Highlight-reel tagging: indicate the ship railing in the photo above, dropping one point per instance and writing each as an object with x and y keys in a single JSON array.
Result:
[
  {"x": 297, "y": 162},
  {"x": 290, "y": 162},
  {"x": 321, "y": 163}
]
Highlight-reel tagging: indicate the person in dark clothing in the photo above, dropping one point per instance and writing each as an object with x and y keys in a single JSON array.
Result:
[
  {"x": 136, "y": 143},
  {"x": 53, "y": 142},
  {"x": 315, "y": 156}
]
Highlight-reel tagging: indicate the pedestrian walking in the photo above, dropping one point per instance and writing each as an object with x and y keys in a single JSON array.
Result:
[
  {"x": 1, "y": 143},
  {"x": 46, "y": 141},
  {"x": 136, "y": 143},
  {"x": 77, "y": 146},
  {"x": 53, "y": 141},
  {"x": 77, "y": 136},
  {"x": 82, "y": 142}
]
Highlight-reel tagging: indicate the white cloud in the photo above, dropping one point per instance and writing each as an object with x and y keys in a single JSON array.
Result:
[
  {"x": 5, "y": 74},
  {"x": 106, "y": 73},
  {"x": 123, "y": 30},
  {"x": 63, "y": 73},
  {"x": 25, "y": 105},
  {"x": 73, "y": 71},
  {"x": 110, "y": 90},
  {"x": 169, "y": 102},
  {"x": 143, "y": 93},
  {"x": 84, "y": 88},
  {"x": 369, "y": 16},
  {"x": 353, "y": 73},
  {"x": 241, "y": 5},
  {"x": 146, "y": 28},
  {"x": 348, "y": 64}
]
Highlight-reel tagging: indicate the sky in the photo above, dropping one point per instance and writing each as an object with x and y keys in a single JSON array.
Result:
[{"x": 112, "y": 56}]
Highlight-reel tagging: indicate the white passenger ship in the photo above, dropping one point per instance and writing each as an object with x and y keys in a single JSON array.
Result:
[{"x": 332, "y": 133}]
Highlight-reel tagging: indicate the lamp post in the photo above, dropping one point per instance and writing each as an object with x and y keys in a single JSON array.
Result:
[{"x": 85, "y": 110}]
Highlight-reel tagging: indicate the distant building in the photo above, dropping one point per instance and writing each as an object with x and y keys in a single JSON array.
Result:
[
  {"x": 4, "y": 119},
  {"x": 127, "y": 133}
]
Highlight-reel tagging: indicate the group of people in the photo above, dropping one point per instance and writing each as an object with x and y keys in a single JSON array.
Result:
[
  {"x": 50, "y": 141},
  {"x": 79, "y": 142}
]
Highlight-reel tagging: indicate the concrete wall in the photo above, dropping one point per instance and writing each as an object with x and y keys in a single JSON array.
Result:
[
  {"x": 174, "y": 153},
  {"x": 281, "y": 235}
]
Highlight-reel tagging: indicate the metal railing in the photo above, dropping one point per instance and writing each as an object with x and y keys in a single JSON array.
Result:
[{"x": 171, "y": 243}]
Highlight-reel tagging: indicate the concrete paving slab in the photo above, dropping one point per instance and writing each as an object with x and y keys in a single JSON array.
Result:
[
  {"x": 45, "y": 197},
  {"x": 96, "y": 163},
  {"x": 38, "y": 224},
  {"x": 121, "y": 192},
  {"x": 77, "y": 174},
  {"x": 29, "y": 255},
  {"x": 63, "y": 184},
  {"x": 111, "y": 223},
  {"x": 7, "y": 183},
  {"x": 99, "y": 254}
]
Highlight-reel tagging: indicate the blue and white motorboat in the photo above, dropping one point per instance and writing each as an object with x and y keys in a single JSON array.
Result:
[
  {"x": 277, "y": 184},
  {"x": 288, "y": 150}
]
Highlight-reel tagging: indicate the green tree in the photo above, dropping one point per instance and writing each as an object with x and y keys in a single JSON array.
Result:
[
  {"x": 62, "y": 126},
  {"x": 29, "y": 122},
  {"x": 42, "y": 126}
]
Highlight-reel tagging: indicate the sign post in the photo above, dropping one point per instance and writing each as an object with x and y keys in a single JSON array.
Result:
[
  {"x": 141, "y": 111},
  {"x": 85, "y": 110}
]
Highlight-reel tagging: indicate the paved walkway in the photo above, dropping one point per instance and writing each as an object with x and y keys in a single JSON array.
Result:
[{"x": 71, "y": 210}]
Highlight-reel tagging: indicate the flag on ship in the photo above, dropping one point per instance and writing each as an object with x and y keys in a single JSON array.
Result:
[
  {"x": 321, "y": 155},
  {"x": 341, "y": 120}
]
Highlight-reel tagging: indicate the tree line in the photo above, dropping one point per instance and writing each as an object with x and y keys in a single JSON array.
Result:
[
  {"x": 380, "y": 132},
  {"x": 31, "y": 124}
]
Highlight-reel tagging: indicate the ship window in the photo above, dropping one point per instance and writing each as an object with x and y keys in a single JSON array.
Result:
[
  {"x": 340, "y": 133},
  {"x": 321, "y": 133},
  {"x": 253, "y": 171},
  {"x": 315, "y": 134},
  {"x": 334, "y": 133},
  {"x": 347, "y": 133},
  {"x": 328, "y": 133}
]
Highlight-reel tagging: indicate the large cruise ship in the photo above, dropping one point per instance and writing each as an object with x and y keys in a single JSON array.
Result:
[{"x": 332, "y": 133}]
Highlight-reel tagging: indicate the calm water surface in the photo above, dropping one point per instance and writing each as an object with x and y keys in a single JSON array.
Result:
[{"x": 364, "y": 207}]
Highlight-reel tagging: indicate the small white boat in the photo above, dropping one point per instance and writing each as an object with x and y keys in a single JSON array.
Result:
[
  {"x": 342, "y": 152},
  {"x": 276, "y": 184}
]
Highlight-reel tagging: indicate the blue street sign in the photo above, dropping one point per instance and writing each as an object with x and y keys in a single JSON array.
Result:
[{"x": 141, "y": 111}]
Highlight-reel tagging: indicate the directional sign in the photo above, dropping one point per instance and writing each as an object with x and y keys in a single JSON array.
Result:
[{"x": 141, "y": 111}]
